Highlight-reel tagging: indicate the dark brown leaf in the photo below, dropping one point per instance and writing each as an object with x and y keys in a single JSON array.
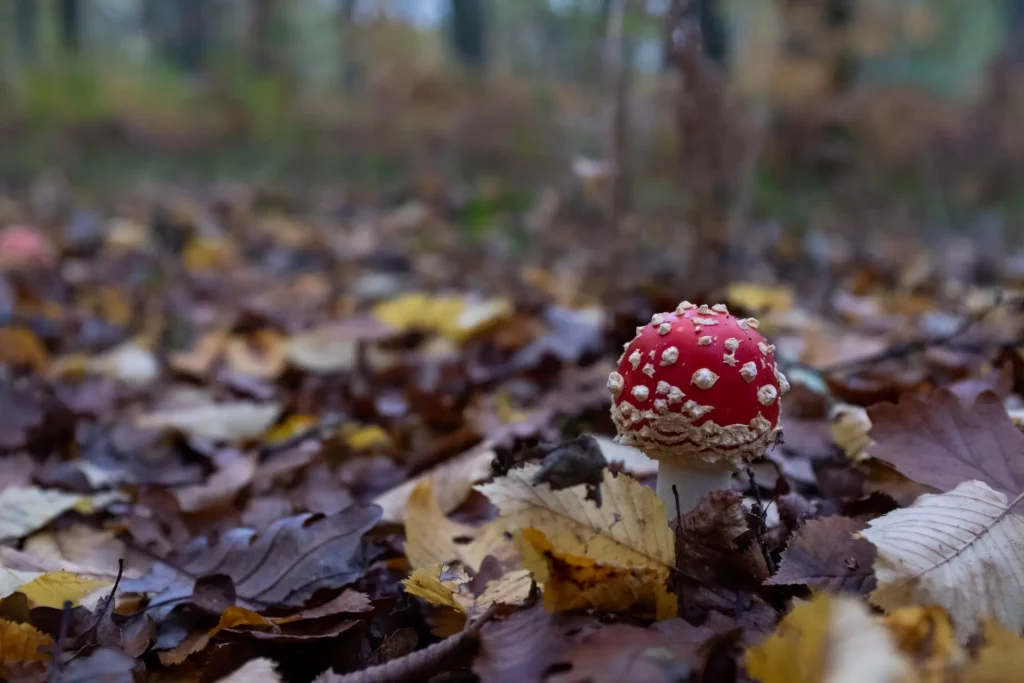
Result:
[
  {"x": 283, "y": 564},
  {"x": 936, "y": 440},
  {"x": 824, "y": 555}
]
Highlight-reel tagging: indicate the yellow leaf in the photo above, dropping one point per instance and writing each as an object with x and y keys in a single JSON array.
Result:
[
  {"x": 25, "y": 509},
  {"x": 961, "y": 550},
  {"x": 828, "y": 640},
  {"x": 629, "y": 530},
  {"x": 850, "y": 425},
  {"x": 22, "y": 643},
  {"x": 760, "y": 298},
  {"x": 1001, "y": 658},
  {"x": 432, "y": 584},
  {"x": 235, "y": 616},
  {"x": 430, "y": 536},
  {"x": 294, "y": 424},
  {"x": 54, "y": 588},
  {"x": 261, "y": 354},
  {"x": 926, "y": 636},
  {"x": 454, "y": 317},
  {"x": 207, "y": 254},
  {"x": 573, "y": 582},
  {"x": 365, "y": 437},
  {"x": 20, "y": 346},
  {"x": 447, "y": 587}
]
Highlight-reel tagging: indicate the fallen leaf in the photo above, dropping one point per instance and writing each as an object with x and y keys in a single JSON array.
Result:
[
  {"x": 758, "y": 298},
  {"x": 520, "y": 649},
  {"x": 824, "y": 555},
  {"x": 25, "y": 509},
  {"x": 926, "y": 636},
  {"x": 282, "y": 564},
  {"x": 962, "y": 550},
  {"x": 22, "y": 643},
  {"x": 334, "y": 348},
  {"x": 259, "y": 670},
  {"x": 937, "y": 441},
  {"x": 221, "y": 487},
  {"x": 200, "y": 359},
  {"x": 52, "y": 589},
  {"x": 78, "y": 548},
  {"x": 130, "y": 363},
  {"x": 432, "y": 538},
  {"x": 453, "y": 481},
  {"x": 102, "y": 666},
  {"x": 364, "y": 437},
  {"x": 850, "y": 425},
  {"x": 830, "y": 639},
  {"x": 450, "y": 587},
  {"x": 574, "y": 582},
  {"x": 235, "y": 616},
  {"x": 1000, "y": 659},
  {"x": 349, "y": 602},
  {"x": 628, "y": 530},
  {"x": 21, "y": 347},
  {"x": 260, "y": 355},
  {"x": 215, "y": 422}
]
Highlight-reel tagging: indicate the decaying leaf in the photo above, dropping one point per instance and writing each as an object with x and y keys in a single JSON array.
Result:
[
  {"x": 937, "y": 441},
  {"x": 926, "y": 636},
  {"x": 78, "y": 548},
  {"x": 825, "y": 555},
  {"x": 963, "y": 550},
  {"x": 215, "y": 422},
  {"x": 831, "y": 639},
  {"x": 573, "y": 582},
  {"x": 22, "y": 643},
  {"x": 451, "y": 587},
  {"x": 850, "y": 425},
  {"x": 628, "y": 530},
  {"x": 1001, "y": 658},
  {"x": 51, "y": 589},
  {"x": 432, "y": 538},
  {"x": 282, "y": 564}
]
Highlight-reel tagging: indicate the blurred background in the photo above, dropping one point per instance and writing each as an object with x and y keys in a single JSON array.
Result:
[{"x": 774, "y": 138}]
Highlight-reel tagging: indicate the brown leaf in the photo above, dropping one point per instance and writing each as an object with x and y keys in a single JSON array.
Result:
[
  {"x": 937, "y": 441},
  {"x": 283, "y": 564},
  {"x": 708, "y": 547},
  {"x": 22, "y": 643},
  {"x": 234, "y": 472},
  {"x": 520, "y": 649},
  {"x": 823, "y": 554},
  {"x": 349, "y": 602}
]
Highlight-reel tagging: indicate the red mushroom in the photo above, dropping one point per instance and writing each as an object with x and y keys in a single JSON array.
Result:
[
  {"x": 24, "y": 246},
  {"x": 697, "y": 390}
]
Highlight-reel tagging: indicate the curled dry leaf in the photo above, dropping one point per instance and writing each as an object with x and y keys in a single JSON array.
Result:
[
  {"x": 221, "y": 487},
  {"x": 850, "y": 425},
  {"x": 937, "y": 441},
  {"x": 450, "y": 587},
  {"x": 626, "y": 531},
  {"x": 825, "y": 555},
  {"x": 432, "y": 538},
  {"x": 215, "y": 422},
  {"x": 575, "y": 582},
  {"x": 828, "y": 639},
  {"x": 261, "y": 355},
  {"x": 283, "y": 564},
  {"x": 452, "y": 481},
  {"x": 200, "y": 359},
  {"x": 963, "y": 550}
]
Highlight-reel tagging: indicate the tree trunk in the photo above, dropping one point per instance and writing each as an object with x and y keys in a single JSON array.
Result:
[
  {"x": 468, "y": 32},
  {"x": 261, "y": 44},
  {"x": 70, "y": 15},
  {"x": 617, "y": 142},
  {"x": 192, "y": 36},
  {"x": 26, "y": 26},
  {"x": 348, "y": 51}
]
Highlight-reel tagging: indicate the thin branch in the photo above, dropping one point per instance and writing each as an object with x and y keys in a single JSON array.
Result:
[{"x": 617, "y": 143}]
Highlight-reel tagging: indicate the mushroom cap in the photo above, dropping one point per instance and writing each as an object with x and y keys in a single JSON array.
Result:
[{"x": 700, "y": 384}]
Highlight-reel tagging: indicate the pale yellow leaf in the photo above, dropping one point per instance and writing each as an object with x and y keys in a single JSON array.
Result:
[
  {"x": 53, "y": 589},
  {"x": 22, "y": 643},
  {"x": 1000, "y": 659},
  {"x": 79, "y": 548},
  {"x": 260, "y": 670},
  {"x": 25, "y": 509},
  {"x": 13, "y": 579},
  {"x": 850, "y": 425},
  {"x": 573, "y": 582},
  {"x": 828, "y": 640},
  {"x": 448, "y": 587},
  {"x": 436, "y": 585},
  {"x": 431, "y": 537},
  {"x": 453, "y": 480},
  {"x": 217, "y": 421},
  {"x": 628, "y": 530},
  {"x": 759, "y": 298},
  {"x": 962, "y": 550}
]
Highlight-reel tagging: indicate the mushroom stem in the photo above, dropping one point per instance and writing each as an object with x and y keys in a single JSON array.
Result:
[{"x": 691, "y": 483}]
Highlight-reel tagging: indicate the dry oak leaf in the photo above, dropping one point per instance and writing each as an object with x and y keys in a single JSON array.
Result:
[
  {"x": 24, "y": 509},
  {"x": 573, "y": 582},
  {"x": 261, "y": 670},
  {"x": 453, "y": 481},
  {"x": 235, "y": 472},
  {"x": 215, "y": 421},
  {"x": 962, "y": 550},
  {"x": 432, "y": 538},
  {"x": 629, "y": 529},
  {"x": 936, "y": 440},
  {"x": 21, "y": 643},
  {"x": 829, "y": 639},
  {"x": 823, "y": 554},
  {"x": 283, "y": 564}
]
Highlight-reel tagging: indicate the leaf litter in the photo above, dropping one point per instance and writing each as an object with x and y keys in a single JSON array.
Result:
[{"x": 339, "y": 470}]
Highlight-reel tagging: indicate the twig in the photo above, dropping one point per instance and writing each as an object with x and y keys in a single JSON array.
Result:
[
  {"x": 679, "y": 512},
  {"x": 57, "y": 665},
  {"x": 616, "y": 145},
  {"x": 420, "y": 664},
  {"x": 761, "y": 511}
]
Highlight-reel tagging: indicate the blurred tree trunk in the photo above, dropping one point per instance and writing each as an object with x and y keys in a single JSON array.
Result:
[
  {"x": 69, "y": 18},
  {"x": 468, "y": 32},
  {"x": 617, "y": 66},
  {"x": 712, "y": 29},
  {"x": 1016, "y": 28},
  {"x": 26, "y": 28},
  {"x": 261, "y": 42},
  {"x": 192, "y": 37},
  {"x": 348, "y": 51}
]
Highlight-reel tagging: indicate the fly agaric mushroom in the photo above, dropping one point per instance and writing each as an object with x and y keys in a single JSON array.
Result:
[{"x": 698, "y": 391}]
